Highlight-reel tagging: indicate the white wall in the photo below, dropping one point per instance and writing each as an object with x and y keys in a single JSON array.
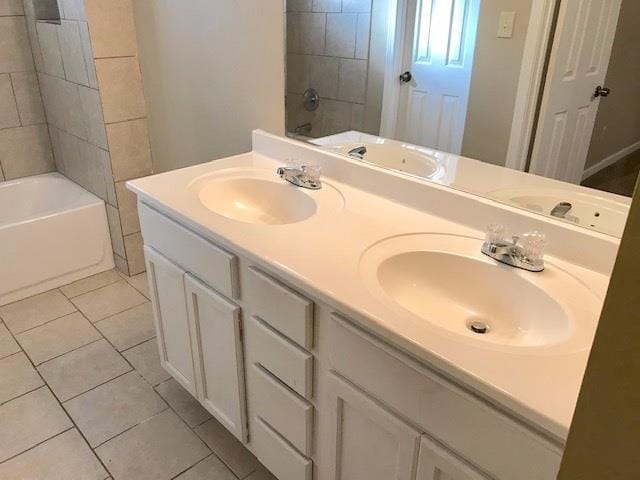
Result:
[{"x": 213, "y": 70}]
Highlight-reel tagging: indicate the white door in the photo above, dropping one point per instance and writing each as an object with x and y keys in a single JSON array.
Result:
[
  {"x": 439, "y": 45},
  {"x": 578, "y": 65},
  {"x": 170, "y": 313},
  {"x": 436, "y": 463},
  {"x": 218, "y": 356},
  {"x": 369, "y": 442}
]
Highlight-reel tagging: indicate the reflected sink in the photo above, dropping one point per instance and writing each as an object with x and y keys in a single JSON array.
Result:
[
  {"x": 587, "y": 210},
  {"x": 445, "y": 280},
  {"x": 261, "y": 198}
]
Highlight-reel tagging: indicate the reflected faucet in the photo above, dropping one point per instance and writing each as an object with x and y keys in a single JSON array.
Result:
[
  {"x": 358, "y": 152},
  {"x": 561, "y": 210}
]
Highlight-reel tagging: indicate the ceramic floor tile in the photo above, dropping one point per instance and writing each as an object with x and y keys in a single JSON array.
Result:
[
  {"x": 129, "y": 328},
  {"x": 36, "y": 310},
  {"x": 261, "y": 474},
  {"x": 140, "y": 283},
  {"x": 17, "y": 377},
  {"x": 158, "y": 449},
  {"x": 146, "y": 360},
  {"x": 108, "y": 300},
  {"x": 29, "y": 420},
  {"x": 8, "y": 346},
  {"x": 209, "y": 468},
  {"x": 64, "y": 457},
  {"x": 187, "y": 407},
  {"x": 83, "y": 369},
  {"x": 110, "y": 409},
  {"x": 57, "y": 337},
  {"x": 91, "y": 283},
  {"x": 240, "y": 460}
]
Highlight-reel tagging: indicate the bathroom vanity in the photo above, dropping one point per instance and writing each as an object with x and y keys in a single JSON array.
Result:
[{"x": 329, "y": 330}]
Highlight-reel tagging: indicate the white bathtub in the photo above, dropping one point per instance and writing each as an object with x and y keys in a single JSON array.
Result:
[{"x": 52, "y": 232}]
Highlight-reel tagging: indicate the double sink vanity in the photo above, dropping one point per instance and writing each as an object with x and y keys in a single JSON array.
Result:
[{"x": 357, "y": 330}]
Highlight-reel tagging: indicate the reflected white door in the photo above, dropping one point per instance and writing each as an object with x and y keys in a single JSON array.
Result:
[
  {"x": 578, "y": 65},
  {"x": 439, "y": 45}
]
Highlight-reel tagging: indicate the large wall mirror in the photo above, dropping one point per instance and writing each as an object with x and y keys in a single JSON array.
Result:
[{"x": 535, "y": 103}]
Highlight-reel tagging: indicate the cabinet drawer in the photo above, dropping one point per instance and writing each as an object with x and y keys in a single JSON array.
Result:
[
  {"x": 284, "y": 359},
  {"x": 285, "y": 310},
  {"x": 277, "y": 455},
  {"x": 216, "y": 267},
  {"x": 287, "y": 413},
  {"x": 462, "y": 422}
]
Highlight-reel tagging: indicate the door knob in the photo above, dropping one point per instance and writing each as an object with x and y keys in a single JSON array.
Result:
[
  {"x": 406, "y": 77},
  {"x": 602, "y": 91}
]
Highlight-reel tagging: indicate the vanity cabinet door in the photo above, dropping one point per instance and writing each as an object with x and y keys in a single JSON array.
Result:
[
  {"x": 368, "y": 440},
  {"x": 172, "y": 323},
  {"x": 218, "y": 355},
  {"x": 436, "y": 463}
]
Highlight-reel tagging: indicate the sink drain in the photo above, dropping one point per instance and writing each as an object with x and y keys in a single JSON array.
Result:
[{"x": 478, "y": 326}]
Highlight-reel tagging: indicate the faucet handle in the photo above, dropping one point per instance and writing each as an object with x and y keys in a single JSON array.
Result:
[
  {"x": 312, "y": 172},
  {"x": 495, "y": 233},
  {"x": 533, "y": 244}
]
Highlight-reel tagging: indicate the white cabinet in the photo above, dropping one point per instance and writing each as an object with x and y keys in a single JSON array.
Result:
[
  {"x": 370, "y": 441},
  {"x": 436, "y": 463},
  {"x": 172, "y": 322},
  {"x": 218, "y": 355}
]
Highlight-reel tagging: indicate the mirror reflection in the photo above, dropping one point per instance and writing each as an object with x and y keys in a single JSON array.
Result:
[{"x": 530, "y": 103}]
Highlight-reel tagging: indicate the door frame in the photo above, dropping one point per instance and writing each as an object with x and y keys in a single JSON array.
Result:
[{"x": 530, "y": 82}]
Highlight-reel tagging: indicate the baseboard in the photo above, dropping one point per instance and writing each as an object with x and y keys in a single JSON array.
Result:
[{"x": 610, "y": 160}]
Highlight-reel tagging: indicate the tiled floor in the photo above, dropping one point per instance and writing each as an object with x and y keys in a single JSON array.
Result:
[
  {"x": 618, "y": 178},
  {"x": 83, "y": 396}
]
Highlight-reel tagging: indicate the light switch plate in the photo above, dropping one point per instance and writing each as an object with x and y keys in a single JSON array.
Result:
[{"x": 507, "y": 21}]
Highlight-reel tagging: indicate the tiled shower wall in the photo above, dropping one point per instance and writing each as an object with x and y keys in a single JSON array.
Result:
[
  {"x": 328, "y": 49},
  {"x": 25, "y": 148},
  {"x": 92, "y": 91}
]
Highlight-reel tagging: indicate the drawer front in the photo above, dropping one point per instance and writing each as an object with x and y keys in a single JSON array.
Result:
[
  {"x": 284, "y": 309},
  {"x": 215, "y": 266},
  {"x": 284, "y": 359},
  {"x": 462, "y": 422},
  {"x": 277, "y": 455},
  {"x": 288, "y": 414}
]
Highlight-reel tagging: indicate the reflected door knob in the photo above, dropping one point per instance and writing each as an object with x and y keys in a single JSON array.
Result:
[
  {"x": 406, "y": 77},
  {"x": 602, "y": 92}
]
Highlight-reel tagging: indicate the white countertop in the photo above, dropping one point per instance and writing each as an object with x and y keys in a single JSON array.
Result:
[{"x": 322, "y": 255}]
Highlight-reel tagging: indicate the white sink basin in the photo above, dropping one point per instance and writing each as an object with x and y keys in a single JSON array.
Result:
[
  {"x": 590, "y": 211},
  {"x": 445, "y": 280},
  {"x": 261, "y": 198}
]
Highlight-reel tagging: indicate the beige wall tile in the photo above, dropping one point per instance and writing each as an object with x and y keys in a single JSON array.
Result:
[
  {"x": 87, "y": 51},
  {"x": 327, "y": 5},
  {"x": 11, "y": 7},
  {"x": 311, "y": 33},
  {"x": 352, "y": 85},
  {"x": 50, "y": 48},
  {"x": 28, "y": 98},
  {"x": 113, "y": 32},
  {"x": 15, "y": 50},
  {"x": 128, "y": 207},
  {"x": 73, "y": 61},
  {"x": 93, "y": 119},
  {"x": 363, "y": 35},
  {"x": 25, "y": 151},
  {"x": 299, "y": 5},
  {"x": 133, "y": 245},
  {"x": 35, "y": 43},
  {"x": 341, "y": 34},
  {"x": 359, "y": 6},
  {"x": 121, "y": 89},
  {"x": 115, "y": 229},
  {"x": 73, "y": 9},
  {"x": 121, "y": 264},
  {"x": 130, "y": 150},
  {"x": 8, "y": 111},
  {"x": 62, "y": 104},
  {"x": 91, "y": 170}
]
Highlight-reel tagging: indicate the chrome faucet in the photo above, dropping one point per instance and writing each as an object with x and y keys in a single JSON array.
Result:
[
  {"x": 561, "y": 210},
  {"x": 305, "y": 176},
  {"x": 526, "y": 254},
  {"x": 358, "y": 152}
]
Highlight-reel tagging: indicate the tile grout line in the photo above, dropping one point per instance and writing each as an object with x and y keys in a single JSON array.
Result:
[
  {"x": 36, "y": 445},
  {"x": 96, "y": 386},
  {"x": 43, "y": 324},
  {"x": 23, "y": 394},
  {"x": 48, "y": 387}
]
